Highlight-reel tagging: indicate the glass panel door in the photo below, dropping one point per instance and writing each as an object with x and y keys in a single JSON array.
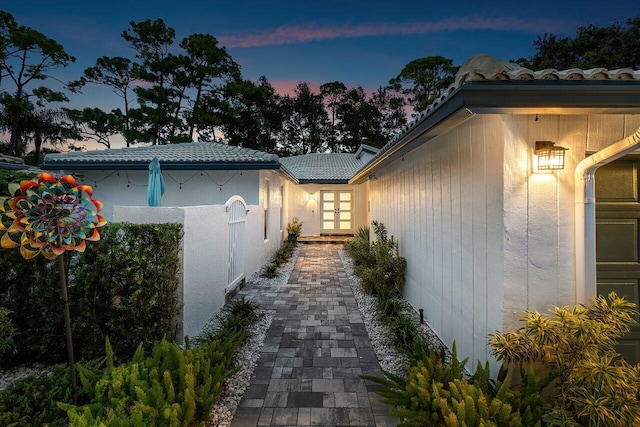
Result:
[{"x": 336, "y": 212}]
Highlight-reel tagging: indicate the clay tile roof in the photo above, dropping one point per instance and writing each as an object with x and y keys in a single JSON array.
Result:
[
  {"x": 319, "y": 167},
  {"x": 175, "y": 156}
]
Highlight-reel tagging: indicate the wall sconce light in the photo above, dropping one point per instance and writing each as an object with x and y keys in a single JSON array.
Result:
[
  {"x": 311, "y": 197},
  {"x": 549, "y": 157}
]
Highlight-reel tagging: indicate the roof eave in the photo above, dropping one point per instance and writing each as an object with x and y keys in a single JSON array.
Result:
[
  {"x": 496, "y": 97},
  {"x": 164, "y": 165},
  {"x": 552, "y": 97},
  {"x": 445, "y": 116},
  {"x": 323, "y": 181}
]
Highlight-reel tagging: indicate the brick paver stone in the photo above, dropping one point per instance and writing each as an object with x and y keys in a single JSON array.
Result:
[{"x": 317, "y": 347}]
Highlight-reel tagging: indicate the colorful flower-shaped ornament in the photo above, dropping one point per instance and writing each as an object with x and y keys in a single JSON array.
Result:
[{"x": 49, "y": 216}]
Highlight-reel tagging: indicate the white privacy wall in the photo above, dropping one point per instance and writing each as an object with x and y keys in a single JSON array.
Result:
[
  {"x": 203, "y": 274},
  {"x": 443, "y": 202},
  {"x": 205, "y": 247}
]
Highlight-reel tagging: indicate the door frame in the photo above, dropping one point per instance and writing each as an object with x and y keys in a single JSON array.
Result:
[{"x": 336, "y": 219}]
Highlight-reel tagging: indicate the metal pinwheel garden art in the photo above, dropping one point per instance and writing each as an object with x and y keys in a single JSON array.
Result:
[{"x": 49, "y": 217}]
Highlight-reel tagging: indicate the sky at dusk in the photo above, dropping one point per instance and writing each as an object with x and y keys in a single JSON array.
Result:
[{"x": 356, "y": 42}]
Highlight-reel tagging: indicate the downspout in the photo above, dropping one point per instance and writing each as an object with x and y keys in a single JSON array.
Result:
[{"x": 586, "y": 212}]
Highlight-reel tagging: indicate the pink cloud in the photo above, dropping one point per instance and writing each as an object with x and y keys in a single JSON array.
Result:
[
  {"x": 287, "y": 87},
  {"x": 302, "y": 34}
]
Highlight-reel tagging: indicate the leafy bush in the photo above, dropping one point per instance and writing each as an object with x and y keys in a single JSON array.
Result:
[
  {"x": 123, "y": 286},
  {"x": 404, "y": 332},
  {"x": 382, "y": 268},
  {"x": 281, "y": 256},
  {"x": 32, "y": 401},
  {"x": 270, "y": 271},
  {"x": 435, "y": 394},
  {"x": 7, "y": 331},
  {"x": 570, "y": 356},
  {"x": 171, "y": 387},
  {"x": 390, "y": 306},
  {"x": 234, "y": 317},
  {"x": 294, "y": 227},
  {"x": 359, "y": 249},
  {"x": 126, "y": 288}
]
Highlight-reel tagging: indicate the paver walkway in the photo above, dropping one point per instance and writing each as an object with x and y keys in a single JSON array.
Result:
[{"x": 314, "y": 353}]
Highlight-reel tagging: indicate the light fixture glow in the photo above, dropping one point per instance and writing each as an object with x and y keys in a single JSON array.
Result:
[
  {"x": 311, "y": 197},
  {"x": 549, "y": 157}
]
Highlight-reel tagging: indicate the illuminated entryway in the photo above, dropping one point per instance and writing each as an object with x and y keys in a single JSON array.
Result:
[{"x": 337, "y": 212}]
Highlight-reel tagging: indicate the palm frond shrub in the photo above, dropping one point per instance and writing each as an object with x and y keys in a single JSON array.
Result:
[
  {"x": 434, "y": 393},
  {"x": 570, "y": 353}
]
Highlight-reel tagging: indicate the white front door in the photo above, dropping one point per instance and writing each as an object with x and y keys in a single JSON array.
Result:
[{"x": 337, "y": 212}]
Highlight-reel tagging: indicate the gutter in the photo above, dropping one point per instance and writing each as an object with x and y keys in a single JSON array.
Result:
[
  {"x": 585, "y": 214},
  {"x": 164, "y": 165}
]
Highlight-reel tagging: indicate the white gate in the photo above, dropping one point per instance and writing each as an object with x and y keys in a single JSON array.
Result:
[{"x": 236, "y": 219}]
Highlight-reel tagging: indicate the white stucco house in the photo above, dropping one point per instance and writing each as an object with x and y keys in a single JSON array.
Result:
[
  {"x": 234, "y": 204},
  {"x": 486, "y": 233},
  {"x": 229, "y": 200}
]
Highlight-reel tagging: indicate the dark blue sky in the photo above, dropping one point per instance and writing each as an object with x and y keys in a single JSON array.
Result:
[{"x": 357, "y": 42}]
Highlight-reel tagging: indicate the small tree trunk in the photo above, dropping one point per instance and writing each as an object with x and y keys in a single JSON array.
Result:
[{"x": 67, "y": 319}]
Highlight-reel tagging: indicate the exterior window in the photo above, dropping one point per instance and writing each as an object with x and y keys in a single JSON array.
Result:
[
  {"x": 281, "y": 207},
  {"x": 265, "y": 206}
]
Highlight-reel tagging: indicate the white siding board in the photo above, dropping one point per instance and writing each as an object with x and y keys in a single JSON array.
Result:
[
  {"x": 517, "y": 165},
  {"x": 447, "y": 237},
  {"x": 457, "y": 332},
  {"x": 494, "y": 137},
  {"x": 479, "y": 213},
  {"x": 604, "y": 130}
]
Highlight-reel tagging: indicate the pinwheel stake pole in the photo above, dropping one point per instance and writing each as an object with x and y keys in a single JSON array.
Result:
[
  {"x": 67, "y": 320},
  {"x": 49, "y": 217}
]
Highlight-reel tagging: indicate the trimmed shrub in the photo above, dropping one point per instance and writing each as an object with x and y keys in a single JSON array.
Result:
[
  {"x": 126, "y": 288},
  {"x": 123, "y": 286}
]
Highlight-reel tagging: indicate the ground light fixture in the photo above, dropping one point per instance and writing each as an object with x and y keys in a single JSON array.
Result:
[{"x": 549, "y": 156}]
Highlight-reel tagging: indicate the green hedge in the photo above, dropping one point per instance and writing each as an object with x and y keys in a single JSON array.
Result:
[{"x": 123, "y": 287}]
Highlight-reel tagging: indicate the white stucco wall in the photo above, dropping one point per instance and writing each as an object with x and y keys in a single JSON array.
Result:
[
  {"x": 204, "y": 247},
  {"x": 129, "y": 188},
  {"x": 539, "y": 216},
  {"x": 307, "y": 209},
  {"x": 203, "y": 272},
  {"x": 443, "y": 203},
  {"x": 485, "y": 236}
]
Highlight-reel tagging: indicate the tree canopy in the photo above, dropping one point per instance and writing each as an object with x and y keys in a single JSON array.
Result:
[
  {"x": 612, "y": 47},
  {"x": 171, "y": 91}
]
